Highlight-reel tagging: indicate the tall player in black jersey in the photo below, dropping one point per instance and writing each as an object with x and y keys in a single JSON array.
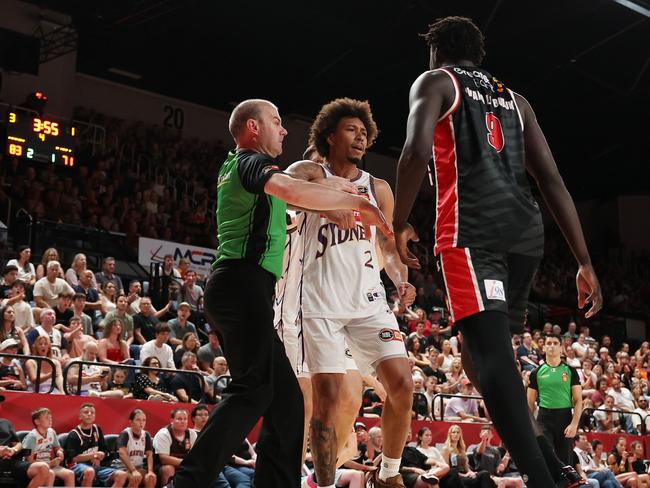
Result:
[{"x": 488, "y": 234}]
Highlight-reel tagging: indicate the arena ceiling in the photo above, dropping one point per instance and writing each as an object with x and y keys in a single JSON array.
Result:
[{"x": 583, "y": 64}]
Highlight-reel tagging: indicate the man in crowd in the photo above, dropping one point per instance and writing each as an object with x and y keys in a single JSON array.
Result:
[
  {"x": 30, "y": 475},
  {"x": 50, "y": 286},
  {"x": 219, "y": 368},
  {"x": 485, "y": 456},
  {"x": 187, "y": 386},
  {"x": 92, "y": 375},
  {"x": 108, "y": 274},
  {"x": 120, "y": 313},
  {"x": 464, "y": 409},
  {"x": 527, "y": 354},
  {"x": 641, "y": 422},
  {"x": 46, "y": 328},
  {"x": 181, "y": 324},
  {"x": 9, "y": 277},
  {"x": 145, "y": 321},
  {"x": 190, "y": 292},
  {"x": 172, "y": 443},
  {"x": 86, "y": 451},
  {"x": 592, "y": 468},
  {"x": 623, "y": 401},
  {"x": 207, "y": 353},
  {"x": 85, "y": 286},
  {"x": 159, "y": 347},
  {"x": 63, "y": 313}
]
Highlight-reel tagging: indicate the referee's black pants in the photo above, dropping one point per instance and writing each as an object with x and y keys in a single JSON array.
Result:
[
  {"x": 552, "y": 422},
  {"x": 239, "y": 303}
]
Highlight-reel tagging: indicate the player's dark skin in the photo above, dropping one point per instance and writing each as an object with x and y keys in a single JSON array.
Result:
[{"x": 431, "y": 95}]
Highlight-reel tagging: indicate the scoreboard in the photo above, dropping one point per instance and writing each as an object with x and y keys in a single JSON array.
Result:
[{"x": 39, "y": 138}]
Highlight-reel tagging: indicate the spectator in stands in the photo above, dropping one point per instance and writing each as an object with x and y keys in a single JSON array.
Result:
[
  {"x": 642, "y": 354},
  {"x": 607, "y": 417},
  {"x": 208, "y": 352},
  {"x": 93, "y": 306},
  {"x": 159, "y": 347},
  {"x": 421, "y": 318},
  {"x": 638, "y": 461},
  {"x": 192, "y": 294},
  {"x": 200, "y": 414},
  {"x": 118, "y": 385},
  {"x": 9, "y": 277},
  {"x": 75, "y": 270},
  {"x": 108, "y": 299},
  {"x": 9, "y": 329},
  {"x": 455, "y": 376},
  {"x": 188, "y": 387},
  {"x": 144, "y": 322},
  {"x": 48, "y": 288},
  {"x": 623, "y": 401},
  {"x": 62, "y": 311},
  {"x": 112, "y": 348},
  {"x": 486, "y": 457},
  {"x": 87, "y": 452},
  {"x": 425, "y": 463},
  {"x": 50, "y": 254},
  {"x": 219, "y": 368},
  {"x": 93, "y": 376},
  {"x": 464, "y": 409},
  {"x": 30, "y": 475},
  {"x": 454, "y": 454},
  {"x": 148, "y": 386},
  {"x": 599, "y": 455},
  {"x": 641, "y": 422},
  {"x": 121, "y": 305},
  {"x": 592, "y": 467},
  {"x": 167, "y": 268},
  {"x": 181, "y": 324},
  {"x": 46, "y": 329},
  {"x": 446, "y": 356},
  {"x": 588, "y": 379},
  {"x": 190, "y": 343},
  {"x": 12, "y": 376},
  {"x": 598, "y": 397},
  {"x": 26, "y": 271},
  {"x": 619, "y": 462},
  {"x": 43, "y": 445},
  {"x": 413, "y": 349},
  {"x": 48, "y": 375},
  {"x": 172, "y": 443},
  {"x": 107, "y": 274},
  {"x": 435, "y": 337},
  {"x": 572, "y": 331},
  {"x": 24, "y": 318},
  {"x": 74, "y": 336},
  {"x": 580, "y": 346},
  {"x": 527, "y": 354},
  {"x": 78, "y": 307},
  {"x": 375, "y": 444},
  {"x": 433, "y": 368},
  {"x": 135, "y": 448}
]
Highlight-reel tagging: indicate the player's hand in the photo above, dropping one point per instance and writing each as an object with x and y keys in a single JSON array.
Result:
[
  {"x": 338, "y": 183},
  {"x": 403, "y": 235},
  {"x": 406, "y": 293},
  {"x": 344, "y": 219},
  {"x": 570, "y": 431},
  {"x": 371, "y": 215},
  {"x": 589, "y": 290}
]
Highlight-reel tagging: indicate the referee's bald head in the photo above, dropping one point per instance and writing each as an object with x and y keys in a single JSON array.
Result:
[{"x": 248, "y": 109}]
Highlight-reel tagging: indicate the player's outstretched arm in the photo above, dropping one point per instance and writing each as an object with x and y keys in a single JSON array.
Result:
[
  {"x": 541, "y": 165},
  {"x": 318, "y": 197},
  {"x": 429, "y": 94},
  {"x": 395, "y": 269}
]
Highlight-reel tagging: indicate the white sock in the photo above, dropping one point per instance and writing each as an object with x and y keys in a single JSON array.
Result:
[{"x": 389, "y": 467}]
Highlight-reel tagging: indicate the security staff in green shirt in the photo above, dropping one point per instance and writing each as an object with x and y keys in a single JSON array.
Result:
[
  {"x": 252, "y": 195},
  {"x": 556, "y": 387}
]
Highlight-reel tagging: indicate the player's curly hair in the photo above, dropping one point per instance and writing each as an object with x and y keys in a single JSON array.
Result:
[
  {"x": 331, "y": 114},
  {"x": 456, "y": 38}
]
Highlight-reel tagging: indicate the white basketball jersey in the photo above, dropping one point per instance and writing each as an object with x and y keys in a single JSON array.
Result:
[
  {"x": 340, "y": 267},
  {"x": 44, "y": 445},
  {"x": 286, "y": 306},
  {"x": 136, "y": 448}
]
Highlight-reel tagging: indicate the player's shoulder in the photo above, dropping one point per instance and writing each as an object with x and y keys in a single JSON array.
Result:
[{"x": 434, "y": 78}]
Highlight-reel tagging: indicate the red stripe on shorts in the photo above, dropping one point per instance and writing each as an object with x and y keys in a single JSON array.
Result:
[{"x": 460, "y": 281}]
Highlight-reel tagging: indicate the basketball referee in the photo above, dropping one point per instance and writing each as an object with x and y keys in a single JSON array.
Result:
[
  {"x": 251, "y": 196},
  {"x": 560, "y": 398}
]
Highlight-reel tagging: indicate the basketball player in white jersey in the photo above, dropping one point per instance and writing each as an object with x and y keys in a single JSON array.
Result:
[{"x": 345, "y": 300}]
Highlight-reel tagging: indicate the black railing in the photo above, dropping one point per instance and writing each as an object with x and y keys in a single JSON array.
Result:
[
  {"x": 589, "y": 422},
  {"x": 134, "y": 368},
  {"x": 37, "y": 384}
]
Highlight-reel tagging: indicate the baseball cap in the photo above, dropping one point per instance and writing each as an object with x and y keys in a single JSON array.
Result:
[
  {"x": 360, "y": 425},
  {"x": 7, "y": 343},
  {"x": 185, "y": 304}
]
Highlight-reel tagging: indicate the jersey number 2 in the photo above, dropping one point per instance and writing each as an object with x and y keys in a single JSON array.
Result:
[
  {"x": 495, "y": 133},
  {"x": 368, "y": 263}
]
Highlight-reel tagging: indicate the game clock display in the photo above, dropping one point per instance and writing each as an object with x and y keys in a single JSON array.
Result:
[{"x": 39, "y": 138}]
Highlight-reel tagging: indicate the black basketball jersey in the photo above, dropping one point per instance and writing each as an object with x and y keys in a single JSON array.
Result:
[{"x": 483, "y": 199}]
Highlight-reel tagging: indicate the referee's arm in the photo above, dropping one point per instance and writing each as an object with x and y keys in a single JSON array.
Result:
[
  {"x": 531, "y": 392},
  {"x": 576, "y": 394}
]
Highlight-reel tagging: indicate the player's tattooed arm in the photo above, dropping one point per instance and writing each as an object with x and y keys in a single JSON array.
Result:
[
  {"x": 306, "y": 170},
  {"x": 323, "y": 449}
]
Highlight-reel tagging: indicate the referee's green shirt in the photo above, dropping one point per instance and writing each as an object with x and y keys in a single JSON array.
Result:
[
  {"x": 251, "y": 225},
  {"x": 553, "y": 384}
]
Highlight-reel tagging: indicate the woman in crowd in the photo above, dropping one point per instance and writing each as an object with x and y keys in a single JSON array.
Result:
[
  {"x": 455, "y": 456},
  {"x": 610, "y": 373},
  {"x": 50, "y": 254},
  {"x": 26, "y": 272},
  {"x": 48, "y": 375},
  {"x": 454, "y": 376},
  {"x": 77, "y": 267},
  {"x": 148, "y": 386},
  {"x": 9, "y": 329},
  {"x": 112, "y": 348},
  {"x": 421, "y": 318},
  {"x": 619, "y": 462},
  {"x": 413, "y": 350},
  {"x": 588, "y": 379},
  {"x": 12, "y": 376},
  {"x": 107, "y": 298},
  {"x": 600, "y": 457},
  {"x": 446, "y": 357},
  {"x": 190, "y": 344}
]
